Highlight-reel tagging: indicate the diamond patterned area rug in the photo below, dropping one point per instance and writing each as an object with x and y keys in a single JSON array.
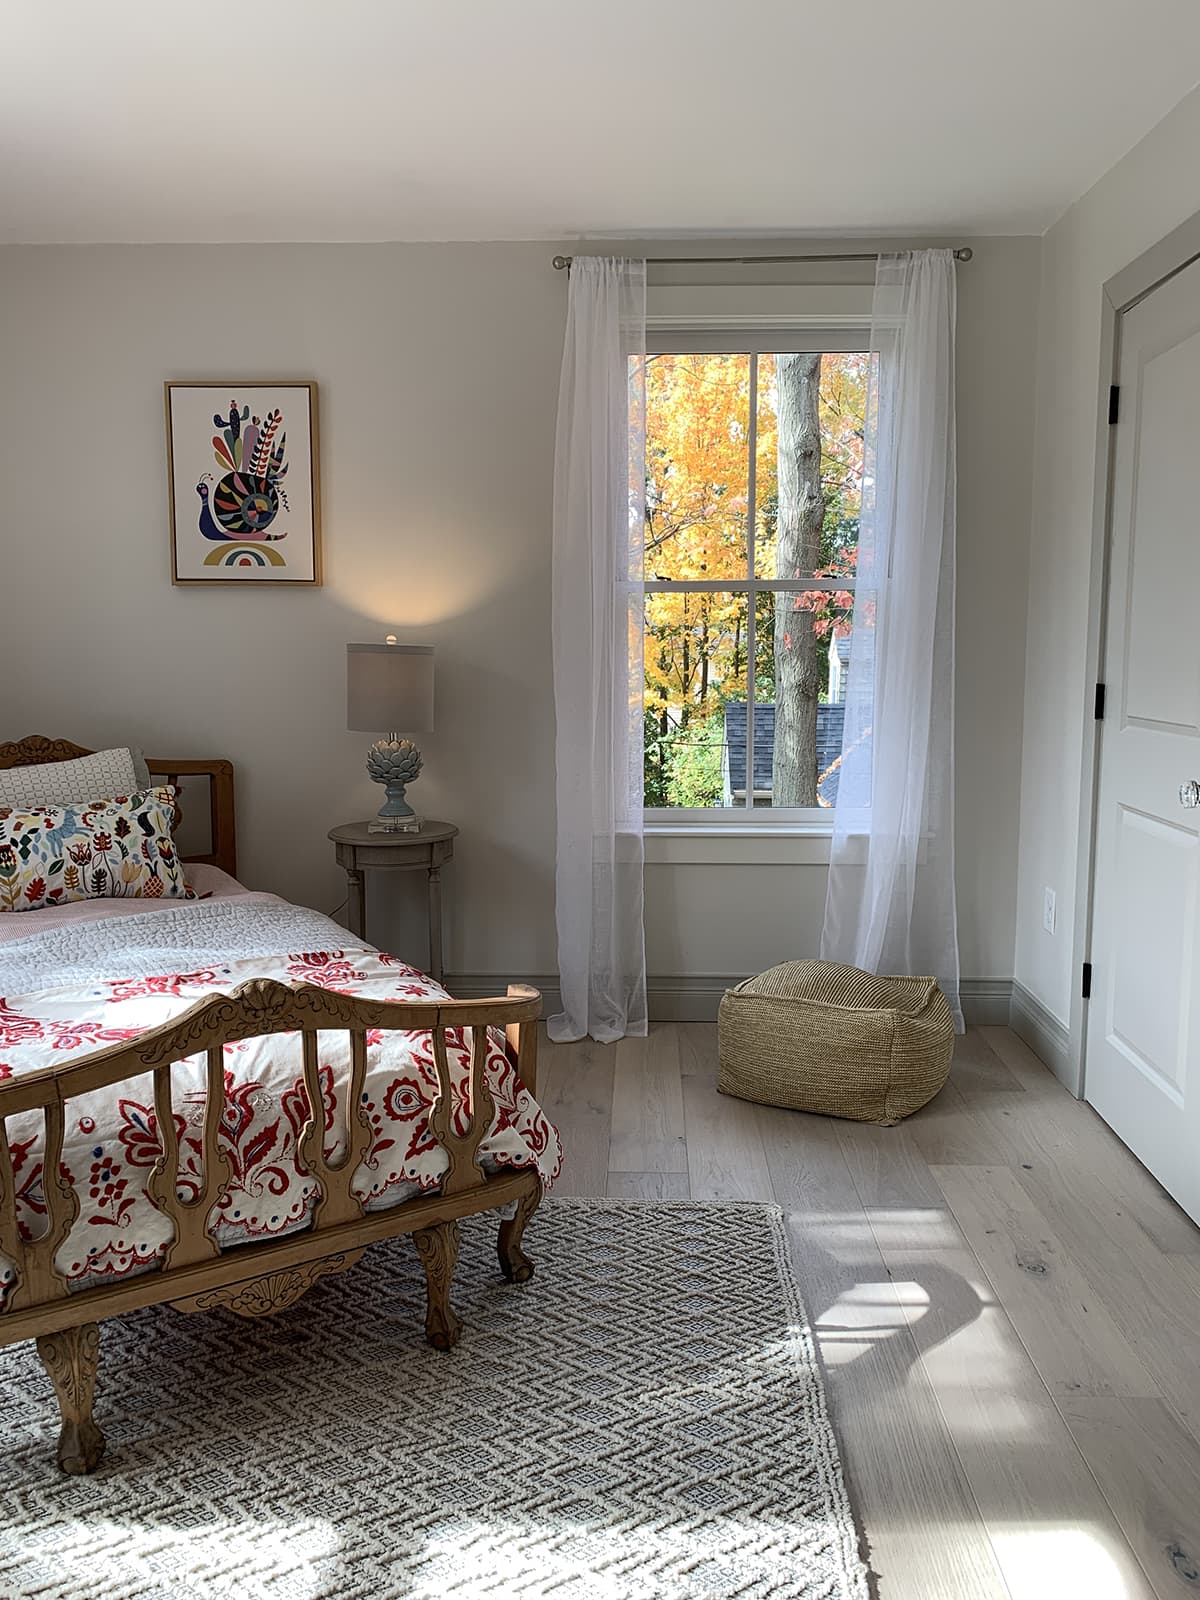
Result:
[{"x": 643, "y": 1421}]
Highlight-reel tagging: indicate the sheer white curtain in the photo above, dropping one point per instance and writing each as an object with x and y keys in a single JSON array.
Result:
[
  {"x": 599, "y": 520},
  {"x": 890, "y": 904}
]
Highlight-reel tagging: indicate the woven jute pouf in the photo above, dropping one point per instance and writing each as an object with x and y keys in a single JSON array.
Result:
[{"x": 817, "y": 1036}]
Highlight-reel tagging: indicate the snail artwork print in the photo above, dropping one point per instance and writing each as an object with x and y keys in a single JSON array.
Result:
[{"x": 244, "y": 482}]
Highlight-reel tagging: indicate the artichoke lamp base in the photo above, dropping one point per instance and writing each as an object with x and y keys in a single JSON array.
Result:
[{"x": 394, "y": 763}]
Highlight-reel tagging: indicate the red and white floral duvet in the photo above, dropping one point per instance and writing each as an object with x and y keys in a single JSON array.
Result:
[{"x": 111, "y": 1140}]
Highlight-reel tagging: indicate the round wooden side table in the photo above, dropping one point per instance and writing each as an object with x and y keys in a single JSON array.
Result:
[{"x": 358, "y": 850}]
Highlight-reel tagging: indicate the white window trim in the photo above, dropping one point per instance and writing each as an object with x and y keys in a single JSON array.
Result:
[{"x": 700, "y": 319}]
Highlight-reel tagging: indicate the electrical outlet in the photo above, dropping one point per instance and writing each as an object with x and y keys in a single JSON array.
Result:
[{"x": 1049, "y": 915}]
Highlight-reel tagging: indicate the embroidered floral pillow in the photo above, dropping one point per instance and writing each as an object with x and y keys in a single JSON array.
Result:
[{"x": 101, "y": 849}]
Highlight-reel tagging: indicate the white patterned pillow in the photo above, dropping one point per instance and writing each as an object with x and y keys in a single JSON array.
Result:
[
  {"x": 66, "y": 783},
  {"x": 122, "y": 848}
]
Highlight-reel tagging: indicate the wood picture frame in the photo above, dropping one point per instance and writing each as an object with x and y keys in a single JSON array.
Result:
[{"x": 231, "y": 444}]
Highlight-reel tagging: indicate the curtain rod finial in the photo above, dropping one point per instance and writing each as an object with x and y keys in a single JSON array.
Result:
[
  {"x": 561, "y": 263},
  {"x": 964, "y": 254}
]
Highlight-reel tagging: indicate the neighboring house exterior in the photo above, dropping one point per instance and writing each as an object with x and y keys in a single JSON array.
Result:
[
  {"x": 733, "y": 759},
  {"x": 830, "y": 718},
  {"x": 839, "y": 666}
]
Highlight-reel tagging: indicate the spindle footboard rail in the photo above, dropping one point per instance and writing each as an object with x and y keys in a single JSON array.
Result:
[{"x": 196, "y": 1274}]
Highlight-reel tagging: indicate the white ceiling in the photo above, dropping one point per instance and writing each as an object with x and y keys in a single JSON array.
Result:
[{"x": 520, "y": 119}]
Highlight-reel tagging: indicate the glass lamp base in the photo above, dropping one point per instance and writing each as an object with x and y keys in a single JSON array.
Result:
[{"x": 409, "y": 824}]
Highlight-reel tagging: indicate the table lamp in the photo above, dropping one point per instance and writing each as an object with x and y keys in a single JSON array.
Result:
[{"x": 391, "y": 686}]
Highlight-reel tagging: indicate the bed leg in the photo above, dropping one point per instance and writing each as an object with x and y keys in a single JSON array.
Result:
[
  {"x": 514, "y": 1263},
  {"x": 438, "y": 1250},
  {"x": 71, "y": 1358}
]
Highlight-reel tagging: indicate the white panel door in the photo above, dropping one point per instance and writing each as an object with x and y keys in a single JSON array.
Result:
[{"x": 1143, "y": 1038}]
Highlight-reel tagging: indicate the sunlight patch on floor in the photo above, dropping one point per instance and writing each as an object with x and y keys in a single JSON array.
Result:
[
  {"x": 209, "y": 1561},
  {"x": 636, "y": 1554},
  {"x": 858, "y": 1320},
  {"x": 926, "y": 1228},
  {"x": 1053, "y": 1563}
]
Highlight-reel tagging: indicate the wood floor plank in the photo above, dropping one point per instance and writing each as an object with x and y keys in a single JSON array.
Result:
[
  {"x": 647, "y": 1111},
  {"x": 649, "y": 1186},
  {"x": 887, "y": 1167},
  {"x": 1188, "y": 1270},
  {"x": 697, "y": 1049},
  {"x": 724, "y": 1146},
  {"x": 896, "y": 1188},
  {"x": 951, "y": 1132},
  {"x": 1143, "y": 1290},
  {"x": 1060, "y": 1316},
  {"x": 978, "y": 1069},
  {"x": 1058, "y": 1131},
  {"x": 811, "y": 1181},
  {"x": 1148, "y": 1466},
  {"x": 1020, "y": 1060},
  {"x": 906, "y": 1483},
  {"x": 575, "y": 1089},
  {"x": 1017, "y": 1452}
]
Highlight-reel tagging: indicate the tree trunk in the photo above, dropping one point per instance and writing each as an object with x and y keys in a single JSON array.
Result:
[{"x": 799, "y": 655}]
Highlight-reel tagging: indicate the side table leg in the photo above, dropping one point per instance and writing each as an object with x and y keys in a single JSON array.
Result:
[
  {"x": 356, "y": 912},
  {"x": 435, "y": 923}
]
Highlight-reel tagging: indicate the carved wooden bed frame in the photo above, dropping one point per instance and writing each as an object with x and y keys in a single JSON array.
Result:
[{"x": 253, "y": 1279}]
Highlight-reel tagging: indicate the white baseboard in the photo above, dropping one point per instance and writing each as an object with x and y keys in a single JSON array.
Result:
[
  {"x": 1045, "y": 1035},
  {"x": 986, "y": 1002},
  {"x": 688, "y": 999}
]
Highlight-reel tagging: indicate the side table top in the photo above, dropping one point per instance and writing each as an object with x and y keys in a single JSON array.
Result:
[{"x": 358, "y": 833}]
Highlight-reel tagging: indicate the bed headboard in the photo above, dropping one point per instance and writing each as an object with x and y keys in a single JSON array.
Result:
[{"x": 35, "y": 749}]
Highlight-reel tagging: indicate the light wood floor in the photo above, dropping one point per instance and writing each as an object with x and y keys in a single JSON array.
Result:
[{"x": 1007, "y": 1305}]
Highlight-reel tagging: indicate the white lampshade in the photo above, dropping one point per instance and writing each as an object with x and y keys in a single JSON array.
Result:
[{"x": 389, "y": 688}]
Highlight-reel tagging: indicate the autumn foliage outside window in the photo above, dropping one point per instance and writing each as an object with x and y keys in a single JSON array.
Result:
[{"x": 754, "y": 470}]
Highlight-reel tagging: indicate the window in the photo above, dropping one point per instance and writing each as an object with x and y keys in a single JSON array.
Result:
[{"x": 754, "y": 468}]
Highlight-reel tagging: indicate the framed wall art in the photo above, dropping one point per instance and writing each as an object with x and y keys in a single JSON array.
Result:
[{"x": 244, "y": 482}]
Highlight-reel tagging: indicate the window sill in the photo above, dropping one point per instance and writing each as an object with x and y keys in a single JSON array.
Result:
[{"x": 751, "y": 844}]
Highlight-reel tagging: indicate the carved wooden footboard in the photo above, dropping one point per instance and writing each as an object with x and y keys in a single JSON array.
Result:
[{"x": 256, "y": 1279}]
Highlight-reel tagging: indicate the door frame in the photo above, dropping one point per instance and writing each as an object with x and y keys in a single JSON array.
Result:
[{"x": 1171, "y": 255}]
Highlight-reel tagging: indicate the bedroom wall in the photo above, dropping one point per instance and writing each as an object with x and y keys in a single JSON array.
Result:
[
  {"x": 438, "y": 368},
  {"x": 1148, "y": 193}
]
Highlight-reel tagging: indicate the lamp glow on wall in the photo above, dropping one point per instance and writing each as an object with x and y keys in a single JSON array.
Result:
[{"x": 390, "y": 686}]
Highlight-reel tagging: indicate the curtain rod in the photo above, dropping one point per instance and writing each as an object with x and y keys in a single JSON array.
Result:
[{"x": 560, "y": 262}]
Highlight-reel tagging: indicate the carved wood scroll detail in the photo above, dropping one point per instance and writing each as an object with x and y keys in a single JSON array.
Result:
[
  {"x": 462, "y": 1149},
  {"x": 35, "y": 750},
  {"x": 192, "y": 1219},
  {"x": 37, "y": 1280},
  {"x": 12, "y": 1246},
  {"x": 514, "y": 1263},
  {"x": 437, "y": 1248},
  {"x": 273, "y": 1292},
  {"x": 337, "y": 1203},
  {"x": 70, "y": 1358}
]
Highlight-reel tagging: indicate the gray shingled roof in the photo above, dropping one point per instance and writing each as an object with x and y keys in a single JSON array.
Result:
[{"x": 829, "y": 745}]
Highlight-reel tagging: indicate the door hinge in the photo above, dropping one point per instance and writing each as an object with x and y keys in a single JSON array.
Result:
[
  {"x": 1114, "y": 403},
  {"x": 1087, "y": 980},
  {"x": 1099, "y": 702}
]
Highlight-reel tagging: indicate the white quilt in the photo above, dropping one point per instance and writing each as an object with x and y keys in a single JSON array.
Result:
[{"x": 71, "y": 989}]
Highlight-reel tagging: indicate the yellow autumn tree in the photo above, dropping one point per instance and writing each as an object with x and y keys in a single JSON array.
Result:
[{"x": 697, "y": 502}]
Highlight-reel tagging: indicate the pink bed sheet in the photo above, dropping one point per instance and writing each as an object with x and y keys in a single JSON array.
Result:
[{"x": 206, "y": 881}]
